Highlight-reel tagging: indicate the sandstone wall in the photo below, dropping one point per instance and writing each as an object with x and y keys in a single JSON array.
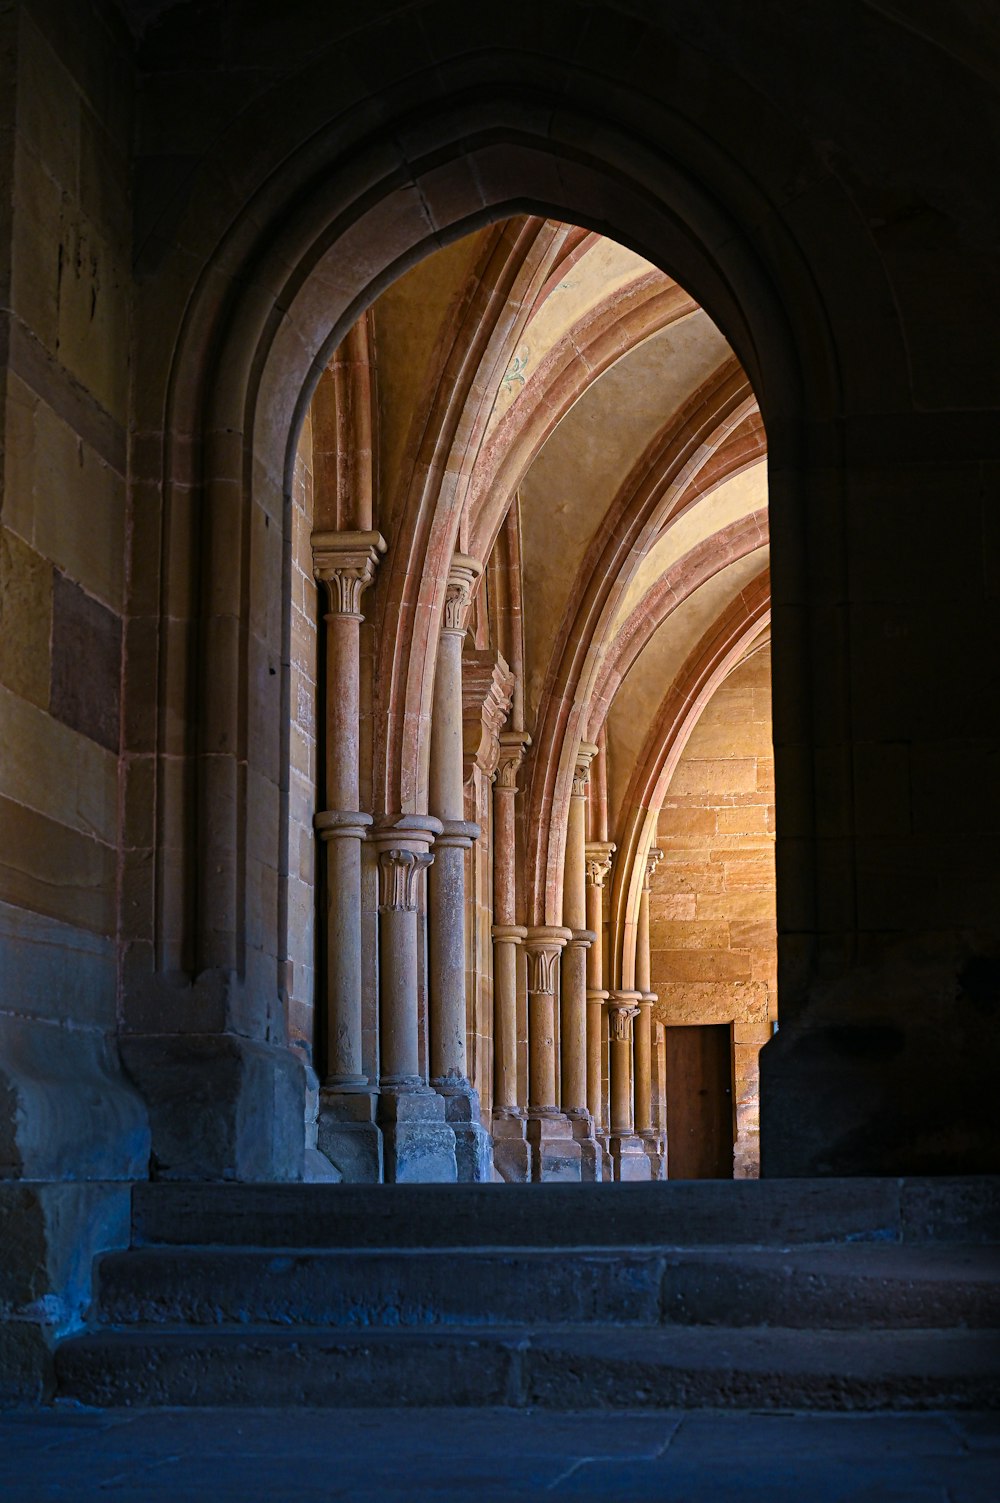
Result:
[
  {"x": 66, "y": 87},
  {"x": 712, "y": 906}
]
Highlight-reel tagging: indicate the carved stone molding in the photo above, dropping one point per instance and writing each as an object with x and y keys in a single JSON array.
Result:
[
  {"x": 398, "y": 873},
  {"x": 598, "y": 856},
  {"x": 620, "y": 1019},
  {"x": 542, "y": 947},
  {"x": 487, "y": 695},
  {"x": 622, "y": 1008},
  {"x": 462, "y": 577},
  {"x": 344, "y": 563},
  {"x": 586, "y": 752},
  {"x": 653, "y": 859},
  {"x": 513, "y": 745}
]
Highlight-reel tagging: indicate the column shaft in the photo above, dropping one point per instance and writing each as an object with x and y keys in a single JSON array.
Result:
[
  {"x": 598, "y": 855},
  {"x": 512, "y": 1152},
  {"x": 419, "y": 1144},
  {"x": 556, "y": 1153},
  {"x": 448, "y": 1010},
  {"x": 630, "y": 1159},
  {"x": 344, "y": 564}
]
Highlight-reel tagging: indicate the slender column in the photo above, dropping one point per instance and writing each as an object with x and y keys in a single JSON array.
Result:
[
  {"x": 643, "y": 1027},
  {"x": 419, "y": 1145},
  {"x": 660, "y": 1092},
  {"x": 511, "y": 1149},
  {"x": 630, "y": 1161},
  {"x": 573, "y": 1014},
  {"x": 446, "y": 886},
  {"x": 556, "y": 1153},
  {"x": 344, "y": 564},
  {"x": 599, "y": 854}
]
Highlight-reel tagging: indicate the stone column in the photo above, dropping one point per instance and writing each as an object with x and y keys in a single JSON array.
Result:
[
  {"x": 555, "y": 1151},
  {"x": 643, "y": 1029},
  {"x": 599, "y": 853},
  {"x": 630, "y": 1160},
  {"x": 511, "y": 1149},
  {"x": 446, "y": 886},
  {"x": 660, "y": 1091},
  {"x": 344, "y": 564},
  {"x": 419, "y": 1145},
  {"x": 573, "y": 1013}
]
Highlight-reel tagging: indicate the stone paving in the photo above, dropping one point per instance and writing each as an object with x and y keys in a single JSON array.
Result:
[{"x": 495, "y": 1456}]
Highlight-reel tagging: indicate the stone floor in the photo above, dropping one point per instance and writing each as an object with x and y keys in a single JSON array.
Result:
[{"x": 495, "y": 1456}]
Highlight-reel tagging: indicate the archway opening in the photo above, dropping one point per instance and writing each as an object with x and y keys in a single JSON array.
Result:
[{"x": 545, "y": 444}]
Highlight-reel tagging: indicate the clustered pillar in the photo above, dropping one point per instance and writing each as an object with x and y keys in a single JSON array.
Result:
[
  {"x": 446, "y": 886},
  {"x": 420, "y": 1120},
  {"x": 344, "y": 564}
]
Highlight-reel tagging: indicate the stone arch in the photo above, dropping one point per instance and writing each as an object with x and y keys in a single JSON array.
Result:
[
  {"x": 652, "y": 493},
  {"x": 270, "y": 304}
]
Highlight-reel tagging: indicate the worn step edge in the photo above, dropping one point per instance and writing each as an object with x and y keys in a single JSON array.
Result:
[
  {"x": 843, "y": 1288},
  {"x": 683, "y": 1213},
  {"x": 556, "y": 1368}
]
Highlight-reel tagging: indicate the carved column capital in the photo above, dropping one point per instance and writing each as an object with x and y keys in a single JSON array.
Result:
[
  {"x": 344, "y": 563},
  {"x": 542, "y": 947},
  {"x": 513, "y": 745},
  {"x": 586, "y": 752},
  {"x": 622, "y": 1008},
  {"x": 462, "y": 577},
  {"x": 398, "y": 872},
  {"x": 599, "y": 854},
  {"x": 653, "y": 859},
  {"x": 487, "y": 695}
]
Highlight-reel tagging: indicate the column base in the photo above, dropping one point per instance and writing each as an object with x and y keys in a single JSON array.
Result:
[
  {"x": 512, "y": 1155},
  {"x": 221, "y": 1107},
  {"x": 607, "y": 1162},
  {"x": 348, "y": 1136},
  {"x": 630, "y": 1160},
  {"x": 473, "y": 1144},
  {"x": 591, "y": 1157},
  {"x": 418, "y": 1145},
  {"x": 655, "y": 1150},
  {"x": 555, "y": 1152}
]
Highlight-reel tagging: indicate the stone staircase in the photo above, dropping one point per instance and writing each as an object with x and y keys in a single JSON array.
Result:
[{"x": 832, "y": 1294}]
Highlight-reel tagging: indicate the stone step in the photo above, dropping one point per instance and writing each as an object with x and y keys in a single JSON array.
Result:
[
  {"x": 839, "y": 1287},
  {"x": 555, "y": 1367},
  {"x": 680, "y": 1213}
]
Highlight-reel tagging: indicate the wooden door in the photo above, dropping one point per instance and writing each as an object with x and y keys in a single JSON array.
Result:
[{"x": 700, "y": 1101}]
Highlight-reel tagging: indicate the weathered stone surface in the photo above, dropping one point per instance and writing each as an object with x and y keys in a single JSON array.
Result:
[
  {"x": 51, "y": 1235},
  {"x": 86, "y": 664},
  {"x": 418, "y": 1143},
  {"x": 220, "y": 1106},
  {"x": 770, "y": 1212},
  {"x": 611, "y": 1367},
  {"x": 25, "y": 619},
  {"x": 67, "y": 1110}
]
